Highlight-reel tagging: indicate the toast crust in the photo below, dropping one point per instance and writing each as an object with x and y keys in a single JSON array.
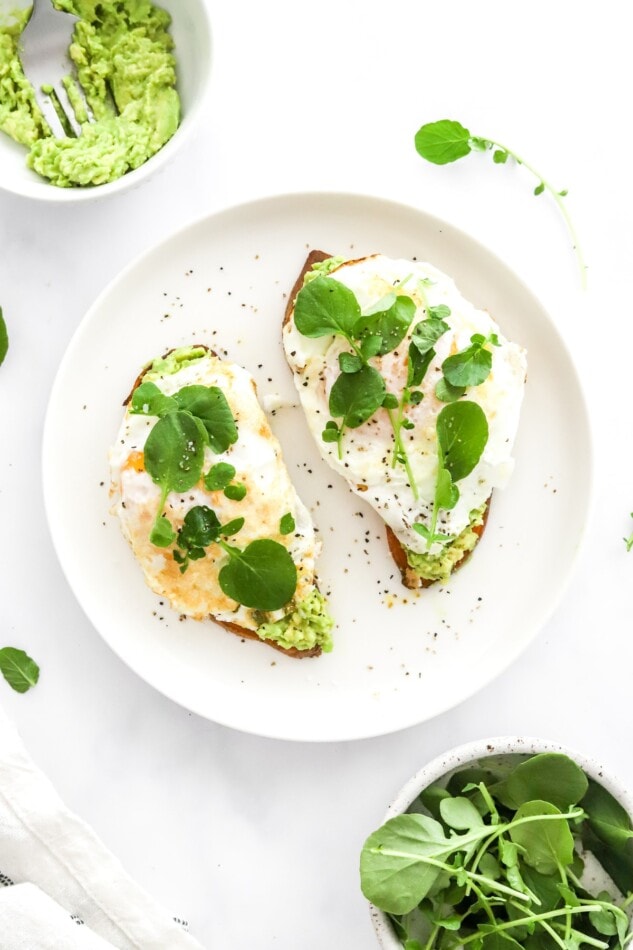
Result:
[
  {"x": 235, "y": 628},
  {"x": 410, "y": 578}
]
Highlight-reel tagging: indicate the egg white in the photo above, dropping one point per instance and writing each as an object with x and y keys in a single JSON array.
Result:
[
  {"x": 366, "y": 461},
  {"x": 257, "y": 459}
]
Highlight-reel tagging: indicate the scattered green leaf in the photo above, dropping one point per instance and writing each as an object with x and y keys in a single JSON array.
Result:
[
  {"x": 19, "y": 670},
  {"x": 4, "y": 338}
]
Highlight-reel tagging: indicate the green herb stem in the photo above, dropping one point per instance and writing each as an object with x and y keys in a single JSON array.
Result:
[
  {"x": 399, "y": 451},
  {"x": 558, "y": 198},
  {"x": 538, "y": 918},
  {"x": 431, "y": 941}
]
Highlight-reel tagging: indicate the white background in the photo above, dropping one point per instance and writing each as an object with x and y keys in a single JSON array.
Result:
[{"x": 256, "y": 841}]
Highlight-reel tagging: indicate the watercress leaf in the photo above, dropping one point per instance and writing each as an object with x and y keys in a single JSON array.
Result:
[
  {"x": 356, "y": 397},
  {"x": 452, "y": 922},
  {"x": 460, "y": 813},
  {"x": 162, "y": 533},
  {"x": 499, "y": 156},
  {"x": 604, "y": 920},
  {"x": 418, "y": 365},
  {"x": 416, "y": 397},
  {"x": 349, "y": 362},
  {"x": 412, "y": 945},
  {"x": 447, "y": 393},
  {"x": 382, "y": 304},
  {"x": 462, "y": 433},
  {"x": 390, "y": 401},
  {"x": 606, "y": 817},
  {"x": 235, "y": 491},
  {"x": 330, "y": 435},
  {"x": 19, "y": 670},
  {"x": 200, "y": 527},
  {"x": 470, "y": 367},
  {"x": 370, "y": 345},
  {"x": 263, "y": 576},
  {"x": 219, "y": 476},
  {"x": 569, "y": 896},
  {"x": 232, "y": 527},
  {"x": 286, "y": 523},
  {"x": 391, "y": 325},
  {"x": 431, "y": 797},
  {"x": 174, "y": 451},
  {"x": 394, "y": 875},
  {"x": 147, "y": 399},
  {"x": 4, "y": 338},
  {"x": 547, "y": 844},
  {"x": 440, "y": 310},
  {"x": 508, "y": 852},
  {"x": 443, "y": 141},
  {"x": 490, "y": 866},
  {"x": 446, "y": 493},
  {"x": 325, "y": 306},
  {"x": 549, "y": 776},
  {"x": 208, "y": 403},
  {"x": 427, "y": 332},
  {"x": 544, "y": 886},
  {"x": 540, "y": 188}
]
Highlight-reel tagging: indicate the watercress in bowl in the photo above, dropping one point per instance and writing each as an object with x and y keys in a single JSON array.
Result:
[{"x": 502, "y": 844}]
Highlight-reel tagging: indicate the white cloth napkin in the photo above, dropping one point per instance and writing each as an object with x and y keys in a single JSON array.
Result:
[{"x": 62, "y": 887}]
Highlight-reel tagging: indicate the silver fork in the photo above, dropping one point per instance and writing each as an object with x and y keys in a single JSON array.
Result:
[{"x": 44, "y": 53}]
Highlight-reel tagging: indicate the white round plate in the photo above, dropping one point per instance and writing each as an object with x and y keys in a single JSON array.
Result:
[{"x": 399, "y": 657}]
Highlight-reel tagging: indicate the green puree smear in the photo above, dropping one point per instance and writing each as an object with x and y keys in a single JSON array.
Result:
[{"x": 123, "y": 56}]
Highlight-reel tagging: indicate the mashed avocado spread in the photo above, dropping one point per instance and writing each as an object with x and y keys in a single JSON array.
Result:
[
  {"x": 173, "y": 361},
  {"x": 308, "y": 626},
  {"x": 439, "y": 567},
  {"x": 122, "y": 53}
]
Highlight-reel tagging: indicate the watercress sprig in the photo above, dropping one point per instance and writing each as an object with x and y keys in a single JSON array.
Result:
[
  {"x": 200, "y": 528},
  {"x": 462, "y": 434},
  {"x": 447, "y": 141}
]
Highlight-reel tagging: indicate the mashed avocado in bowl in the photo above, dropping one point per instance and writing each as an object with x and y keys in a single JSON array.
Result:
[{"x": 123, "y": 54}]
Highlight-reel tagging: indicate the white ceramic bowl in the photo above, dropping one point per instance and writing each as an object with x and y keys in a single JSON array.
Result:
[
  {"x": 191, "y": 31},
  {"x": 463, "y": 755}
]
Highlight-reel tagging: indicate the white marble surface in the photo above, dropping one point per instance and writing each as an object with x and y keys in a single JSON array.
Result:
[{"x": 256, "y": 841}]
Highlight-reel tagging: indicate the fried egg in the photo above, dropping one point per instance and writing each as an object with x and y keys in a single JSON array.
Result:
[
  {"x": 366, "y": 457},
  {"x": 270, "y": 497}
]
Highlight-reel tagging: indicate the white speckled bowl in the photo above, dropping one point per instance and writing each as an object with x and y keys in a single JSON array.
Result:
[
  {"x": 191, "y": 30},
  {"x": 455, "y": 759}
]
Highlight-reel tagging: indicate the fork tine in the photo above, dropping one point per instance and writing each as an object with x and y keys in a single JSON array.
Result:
[{"x": 58, "y": 110}]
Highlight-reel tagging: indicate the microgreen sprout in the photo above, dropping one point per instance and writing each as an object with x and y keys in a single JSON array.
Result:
[
  {"x": 447, "y": 141},
  {"x": 629, "y": 541}
]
